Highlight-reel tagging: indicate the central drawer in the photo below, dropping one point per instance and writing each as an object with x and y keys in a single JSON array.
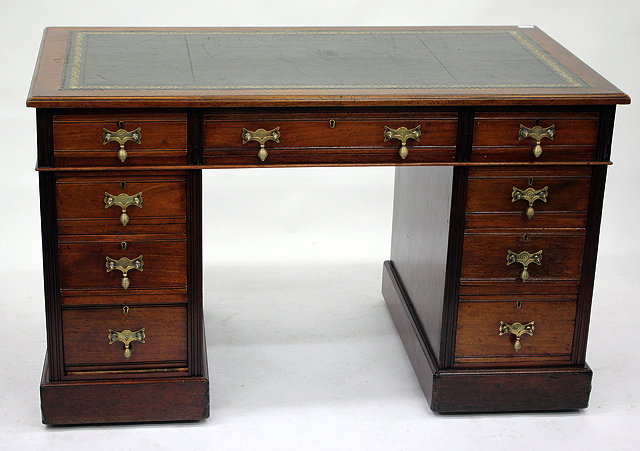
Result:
[
  {"x": 83, "y": 262},
  {"x": 329, "y": 138}
]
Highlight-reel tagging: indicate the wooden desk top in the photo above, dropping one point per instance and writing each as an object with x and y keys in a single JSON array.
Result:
[{"x": 184, "y": 67}]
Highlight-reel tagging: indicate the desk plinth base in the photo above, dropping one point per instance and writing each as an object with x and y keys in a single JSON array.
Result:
[
  {"x": 124, "y": 401},
  {"x": 481, "y": 390}
]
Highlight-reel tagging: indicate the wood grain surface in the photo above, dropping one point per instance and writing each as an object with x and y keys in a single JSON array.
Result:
[
  {"x": 86, "y": 336},
  {"x": 83, "y": 258}
]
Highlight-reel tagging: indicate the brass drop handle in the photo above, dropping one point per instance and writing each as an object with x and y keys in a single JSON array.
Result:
[
  {"x": 538, "y": 133},
  {"x": 517, "y": 329},
  {"x": 125, "y": 265},
  {"x": 123, "y": 201},
  {"x": 530, "y": 195},
  {"x": 525, "y": 259},
  {"x": 126, "y": 337},
  {"x": 121, "y": 136},
  {"x": 261, "y": 136},
  {"x": 402, "y": 134}
]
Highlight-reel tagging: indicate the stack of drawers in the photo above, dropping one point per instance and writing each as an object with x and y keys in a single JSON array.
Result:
[
  {"x": 524, "y": 239},
  {"x": 122, "y": 247}
]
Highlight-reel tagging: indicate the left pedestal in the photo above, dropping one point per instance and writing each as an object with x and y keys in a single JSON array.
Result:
[{"x": 122, "y": 260}]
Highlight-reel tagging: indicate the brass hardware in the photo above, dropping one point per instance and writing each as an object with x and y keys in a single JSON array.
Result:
[
  {"x": 121, "y": 137},
  {"x": 123, "y": 201},
  {"x": 517, "y": 329},
  {"x": 538, "y": 133},
  {"x": 125, "y": 309},
  {"x": 525, "y": 259},
  {"x": 261, "y": 136},
  {"x": 530, "y": 195},
  {"x": 519, "y": 304},
  {"x": 530, "y": 181},
  {"x": 123, "y": 245},
  {"x": 125, "y": 265},
  {"x": 123, "y": 185},
  {"x": 525, "y": 237},
  {"x": 332, "y": 123},
  {"x": 402, "y": 134},
  {"x": 126, "y": 337}
]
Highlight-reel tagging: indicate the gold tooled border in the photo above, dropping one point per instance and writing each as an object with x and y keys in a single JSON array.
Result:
[{"x": 77, "y": 48}]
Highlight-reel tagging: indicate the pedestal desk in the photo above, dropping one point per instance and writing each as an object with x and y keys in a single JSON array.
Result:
[{"x": 501, "y": 140}]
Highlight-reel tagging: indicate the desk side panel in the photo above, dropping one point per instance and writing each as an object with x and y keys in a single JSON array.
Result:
[{"x": 421, "y": 212}]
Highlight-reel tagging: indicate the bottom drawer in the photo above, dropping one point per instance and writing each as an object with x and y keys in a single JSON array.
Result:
[
  {"x": 486, "y": 335},
  {"x": 87, "y": 336}
]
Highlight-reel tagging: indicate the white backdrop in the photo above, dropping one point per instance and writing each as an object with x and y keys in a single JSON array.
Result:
[{"x": 302, "y": 352}]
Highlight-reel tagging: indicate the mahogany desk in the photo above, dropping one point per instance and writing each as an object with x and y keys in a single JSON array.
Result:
[{"x": 501, "y": 139}]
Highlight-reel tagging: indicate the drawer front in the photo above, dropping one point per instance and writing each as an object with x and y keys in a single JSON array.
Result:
[
  {"x": 487, "y": 333},
  {"x": 83, "y": 262},
  {"x": 78, "y": 140},
  {"x": 127, "y": 203},
  {"x": 485, "y": 258},
  {"x": 86, "y": 336},
  {"x": 339, "y": 138},
  {"x": 527, "y": 198},
  {"x": 496, "y": 137}
]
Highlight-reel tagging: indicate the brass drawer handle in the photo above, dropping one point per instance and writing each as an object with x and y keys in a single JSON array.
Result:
[
  {"x": 126, "y": 337},
  {"x": 402, "y": 134},
  {"x": 121, "y": 137},
  {"x": 530, "y": 195},
  {"x": 517, "y": 329},
  {"x": 123, "y": 201},
  {"x": 125, "y": 265},
  {"x": 538, "y": 133},
  {"x": 525, "y": 259},
  {"x": 261, "y": 136}
]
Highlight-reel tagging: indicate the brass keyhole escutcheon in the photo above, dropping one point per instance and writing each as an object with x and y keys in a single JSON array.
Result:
[
  {"x": 123, "y": 245},
  {"x": 519, "y": 304},
  {"x": 125, "y": 309},
  {"x": 123, "y": 185},
  {"x": 332, "y": 123}
]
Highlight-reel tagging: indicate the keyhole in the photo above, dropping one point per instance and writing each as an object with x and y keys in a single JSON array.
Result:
[
  {"x": 123, "y": 245},
  {"x": 536, "y": 122},
  {"x": 332, "y": 123},
  {"x": 123, "y": 185},
  {"x": 530, "y": 181},
  {"x": 125, "y": 309},
  {"x": 525, "y": 237},
  {"x": 518, "y": 304},
  {"x": 120, "y": 124}
]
